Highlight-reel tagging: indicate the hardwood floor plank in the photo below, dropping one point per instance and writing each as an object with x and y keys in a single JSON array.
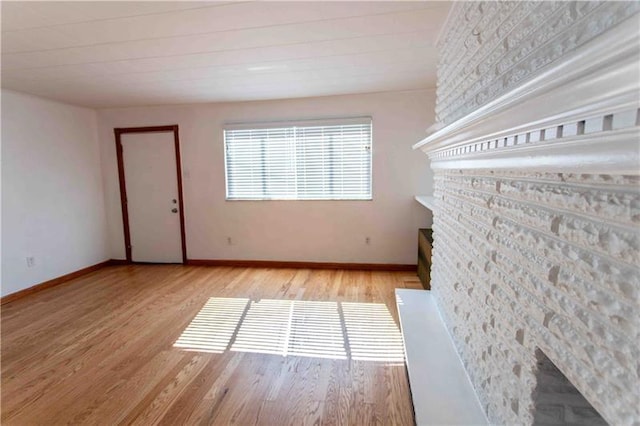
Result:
[
  {"x": 100, "y": 350},
  {"x": 115, "y": 402},
  {"x": 151, "y": 410}
]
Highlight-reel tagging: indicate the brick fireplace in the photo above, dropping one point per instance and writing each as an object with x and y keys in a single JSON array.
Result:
[{"x": 537, "y": 206}]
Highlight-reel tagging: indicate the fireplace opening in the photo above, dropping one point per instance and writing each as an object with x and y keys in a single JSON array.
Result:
[{"x": 557, "y": 401}]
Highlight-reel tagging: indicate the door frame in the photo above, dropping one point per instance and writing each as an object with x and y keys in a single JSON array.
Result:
[{"x": 123, "y": 189}]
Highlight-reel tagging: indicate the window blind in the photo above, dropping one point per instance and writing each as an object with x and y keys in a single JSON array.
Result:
[{"x": 299, "y": 161}]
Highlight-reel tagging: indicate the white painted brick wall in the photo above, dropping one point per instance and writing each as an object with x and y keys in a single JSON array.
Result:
[
  {"x": 528, "y": 260},
  {"x": 533, "y": 260},
  {"x": 490, "y": 47}
]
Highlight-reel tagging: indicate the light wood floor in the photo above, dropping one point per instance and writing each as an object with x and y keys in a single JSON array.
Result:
[{"x": 99, "y": 350}]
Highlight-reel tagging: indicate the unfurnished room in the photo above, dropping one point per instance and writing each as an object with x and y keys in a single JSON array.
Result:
[{"x": 320, "y": 212}]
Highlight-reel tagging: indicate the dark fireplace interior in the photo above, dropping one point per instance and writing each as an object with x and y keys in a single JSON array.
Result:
[{"x": 557, "y": 401}]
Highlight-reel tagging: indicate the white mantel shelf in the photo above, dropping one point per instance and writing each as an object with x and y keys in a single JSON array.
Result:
[
  {"x": 579, "y": 115},
  {"x": 427, "y": 201}
]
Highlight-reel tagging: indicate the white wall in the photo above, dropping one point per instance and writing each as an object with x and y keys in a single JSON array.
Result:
[
  {"x": 320, "y": 231},
  {"x": 52, "y": 193}
]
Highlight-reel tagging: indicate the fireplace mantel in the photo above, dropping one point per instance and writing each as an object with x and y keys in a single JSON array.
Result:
[{"x": 592, "y": 91}]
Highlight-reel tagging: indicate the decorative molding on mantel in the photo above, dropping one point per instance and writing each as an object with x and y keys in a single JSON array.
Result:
[
  {"x": 599, "y": 152},
  {"x": 581, "y": 113}
]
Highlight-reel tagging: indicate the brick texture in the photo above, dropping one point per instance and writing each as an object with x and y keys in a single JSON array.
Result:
[
  {"x": 533, "y": 261},
  {"x": 490, "y": 47}
]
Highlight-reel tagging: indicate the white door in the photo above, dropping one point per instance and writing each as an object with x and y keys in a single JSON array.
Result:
[{"x": 152, "y": 197}]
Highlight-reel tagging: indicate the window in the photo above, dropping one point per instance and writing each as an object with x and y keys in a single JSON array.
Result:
[{"x": 311, "y": 160}]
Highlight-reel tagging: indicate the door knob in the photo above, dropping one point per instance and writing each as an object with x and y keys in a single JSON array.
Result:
[{"x": 174, "y": 210}]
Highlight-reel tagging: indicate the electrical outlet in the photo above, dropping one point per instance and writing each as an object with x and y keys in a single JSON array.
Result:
[
  {"x": 229, "y": 241},
  {"x": 367, "y": 240},
  {"x": 31, "y": 261}
]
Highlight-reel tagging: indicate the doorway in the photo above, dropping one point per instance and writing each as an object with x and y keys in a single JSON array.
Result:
[{"x": 151, "y": 194}]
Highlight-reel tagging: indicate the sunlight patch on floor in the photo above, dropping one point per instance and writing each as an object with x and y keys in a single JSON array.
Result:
[
  {"x": 316, "y": 330},
  {"x": 372, "y": 333},
  {"x": 335, "y": 330},
  {"x": 213, "y": 327},
  {"x": 292, "y": 327},
  {"x": 264, "y": 328}
]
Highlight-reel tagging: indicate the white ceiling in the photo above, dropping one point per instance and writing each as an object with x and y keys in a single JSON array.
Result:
[{"x": 105, "y": 54}]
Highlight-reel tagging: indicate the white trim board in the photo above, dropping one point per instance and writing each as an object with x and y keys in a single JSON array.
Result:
[
  {"x": 440, "y": 388},
  {"x": 427, "y": 201}
]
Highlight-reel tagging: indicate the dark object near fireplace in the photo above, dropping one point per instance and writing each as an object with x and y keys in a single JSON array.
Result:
[
  {"x": 425, "y": 242},
  {"x": 557, "y": 401}
]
